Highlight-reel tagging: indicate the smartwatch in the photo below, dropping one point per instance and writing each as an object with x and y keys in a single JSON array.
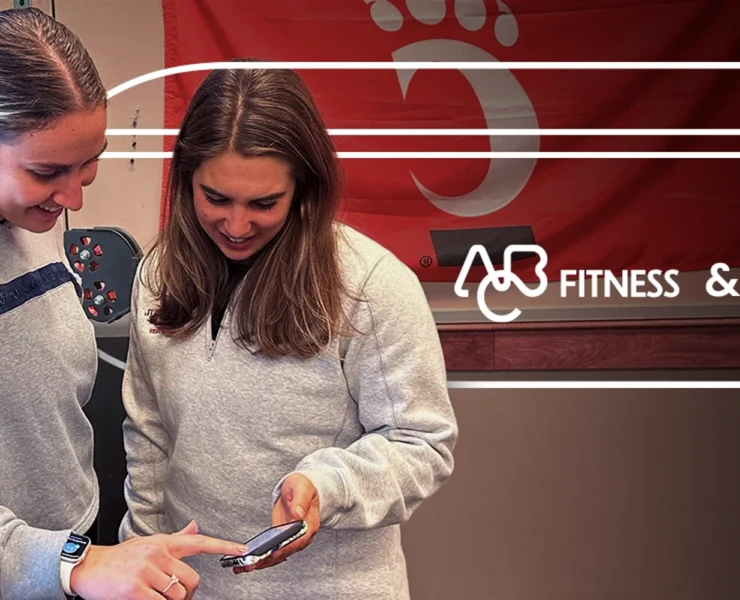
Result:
[{"x": 73, "y": 553}]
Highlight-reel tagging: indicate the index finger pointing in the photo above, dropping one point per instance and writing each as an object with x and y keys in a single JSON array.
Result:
[{"x": 191, "y": 544}]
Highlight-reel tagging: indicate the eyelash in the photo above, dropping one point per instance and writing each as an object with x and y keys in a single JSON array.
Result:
[
  {"x": 216, "y": 201},
  {"x": 224, "y": 201},
  {"x": 47, "y": 176},
  {"x": 58, "y": 172}
]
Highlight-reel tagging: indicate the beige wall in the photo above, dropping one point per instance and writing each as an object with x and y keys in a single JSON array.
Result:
[
  {"x": 42, "y": 4},
  {"x": 585, "y": 495},
  {"x": 125, "y": 39}
]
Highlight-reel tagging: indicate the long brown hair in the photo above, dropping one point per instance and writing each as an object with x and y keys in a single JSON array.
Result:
[
  {"x": 290, "y": 301},
  {"x": 45, "y": 73}
]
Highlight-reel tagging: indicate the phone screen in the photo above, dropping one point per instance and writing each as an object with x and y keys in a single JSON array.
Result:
[{"x": 270, "y": 538}]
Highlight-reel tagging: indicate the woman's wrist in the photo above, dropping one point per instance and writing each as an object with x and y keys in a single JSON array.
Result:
[{"x": 82, "y": 569}]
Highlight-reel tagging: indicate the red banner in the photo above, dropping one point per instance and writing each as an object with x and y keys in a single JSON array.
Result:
[{"x": 590, "y": 213}]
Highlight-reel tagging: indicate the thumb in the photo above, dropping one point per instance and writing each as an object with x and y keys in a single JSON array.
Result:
[
  {"x": 297, "y": 495},
  {"x": 189, "y": 529}
]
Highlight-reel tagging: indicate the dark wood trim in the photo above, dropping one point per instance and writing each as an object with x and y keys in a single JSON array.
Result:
[{"x": 579, "y": 345}]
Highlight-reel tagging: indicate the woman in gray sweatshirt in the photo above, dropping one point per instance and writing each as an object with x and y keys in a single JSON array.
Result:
[
  {"x": 281, "y": 365},
  {"x": 52, "y": 130}
]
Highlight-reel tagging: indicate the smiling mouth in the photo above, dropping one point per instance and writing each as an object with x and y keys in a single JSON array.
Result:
[
  {"x": 240, "y": 242},
  {"x": 47, "y": 213},
  {"x": 237, "y": 240},
  {"x": 51, "y": 210}
]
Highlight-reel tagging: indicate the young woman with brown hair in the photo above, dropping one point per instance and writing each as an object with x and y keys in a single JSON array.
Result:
[{"x": 281, "y": 365}]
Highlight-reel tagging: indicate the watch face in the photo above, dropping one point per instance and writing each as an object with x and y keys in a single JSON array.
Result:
[{"x": 75, "y": 547}]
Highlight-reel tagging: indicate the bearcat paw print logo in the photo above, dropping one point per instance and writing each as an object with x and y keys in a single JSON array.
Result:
[
  {"x": 502, "y": 99},
  {"x": 470, "y": 14}
]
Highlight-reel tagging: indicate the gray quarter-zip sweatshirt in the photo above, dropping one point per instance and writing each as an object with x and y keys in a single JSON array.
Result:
[
  {"x": 212, "y": 429},
  {"x": 48, "y": 364}
]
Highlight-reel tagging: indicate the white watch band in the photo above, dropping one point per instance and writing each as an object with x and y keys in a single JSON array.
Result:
[
  {"x": 67, "y": 564},
  {"x": 65, "y": 572}
]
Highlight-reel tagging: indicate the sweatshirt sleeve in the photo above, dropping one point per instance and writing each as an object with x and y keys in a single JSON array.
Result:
[
  {"x": 29, "y": 560},
  {"x": 145, "y": 440},
  {"x": 396, "y": 374}
]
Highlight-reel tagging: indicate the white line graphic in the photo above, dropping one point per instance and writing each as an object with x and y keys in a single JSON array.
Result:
[
  {"x": 112, "y": 360},
  {"x": 489, "y": 155},
  {"x": 428, "y": 65},
  {"x": 595, "y": 385},
  {"x": 476, "y": 65},
  {"x": 446, "y": 65},
  {"x": 550, "y": 385},
  {"x": 477, "y": 132}
]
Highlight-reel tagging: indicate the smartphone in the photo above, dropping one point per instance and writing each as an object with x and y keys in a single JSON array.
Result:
[{"x": 265, "y": 543}]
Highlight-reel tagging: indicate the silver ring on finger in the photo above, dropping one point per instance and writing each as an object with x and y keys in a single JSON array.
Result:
[{"x": 173, "y": 580}]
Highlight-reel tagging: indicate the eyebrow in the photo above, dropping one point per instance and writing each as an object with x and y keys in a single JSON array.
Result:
[
  {"x": 268, "y": 198},
  {"x": 60, "y": 166}
]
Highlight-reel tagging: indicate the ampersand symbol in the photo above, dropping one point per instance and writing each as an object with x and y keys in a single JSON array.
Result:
[{"x": 726, "y": 288}]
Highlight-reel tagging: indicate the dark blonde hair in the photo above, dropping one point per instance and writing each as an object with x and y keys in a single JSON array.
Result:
[
  {"x": 45, "y": 73},
  {"x": 290, "y": 301}
]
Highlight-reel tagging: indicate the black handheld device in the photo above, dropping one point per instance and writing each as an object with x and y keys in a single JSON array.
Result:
[{"x": 265, "y": 543}]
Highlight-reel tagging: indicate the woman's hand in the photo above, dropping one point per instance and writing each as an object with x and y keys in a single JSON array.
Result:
[
  {"x": 299, "y": 500},
  {"x": 141, "y": 568}
]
